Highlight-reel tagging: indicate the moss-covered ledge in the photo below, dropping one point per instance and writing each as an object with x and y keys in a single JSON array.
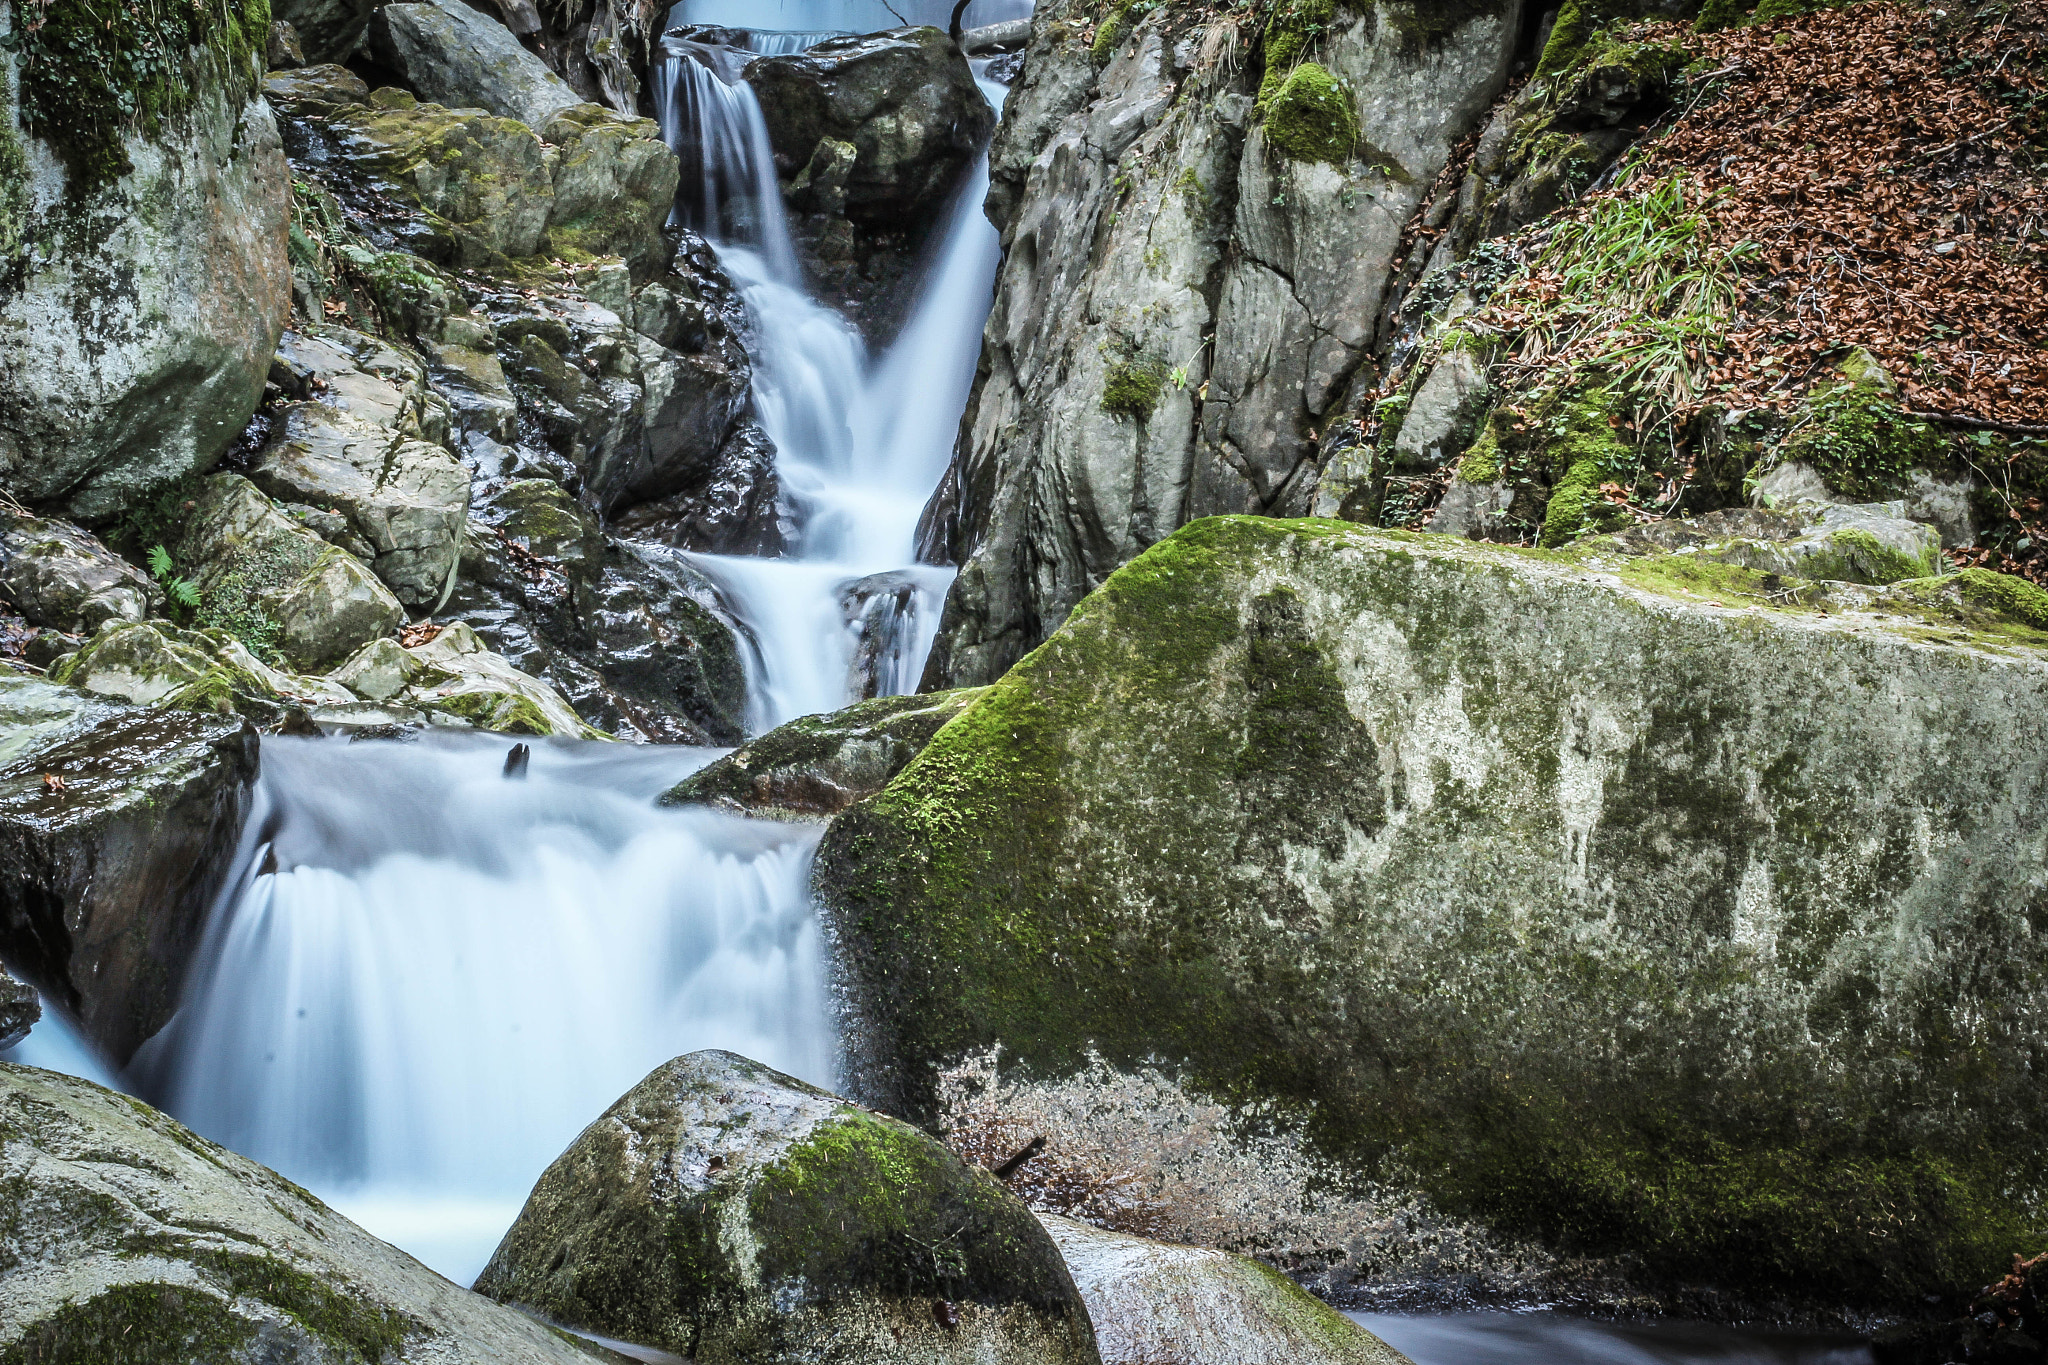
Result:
[{"x": 1641, "y": 903}]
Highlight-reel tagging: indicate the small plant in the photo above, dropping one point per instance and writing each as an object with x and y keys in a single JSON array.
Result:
[{"x": 180, "y": 590}]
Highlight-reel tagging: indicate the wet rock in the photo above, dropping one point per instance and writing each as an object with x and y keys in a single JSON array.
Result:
[
  {"x": 379, "y": 671},
  {"x": 362, "y": 377},
  {"x": 539, "y": 515},
  {"x": 615, "y": 183},
  {"x": 62, "y": 577},
  {"x": 141, "y": 311},
  {"x": 449, "y": 54},
  {"x": 722, "y": 1210},
  {"x": 283, "y": 50},
  {"x": 158, "y": 664},
  {"x": 1273, "y": 774},
  {"x": 407, "y": 498},
  {"x": 815, "y": 767},
  {"x": 460, "y": 677},
  {"x": 315, "y": 90},
  {"x": 117, "y": 826},
  {"x": 142, "y": 1233},
  {"x": 1153, "y": 1301},
  {"x": 275, "y": 584},
  {"x": 905, "y": 100},
  {"x": 2004, "y": 1325},
  {"x": 328, "y": 30},
  {"x": 737, "y": 508},
  {"x": 20, "y": 1007},
  {"x": 883, "y": 611}
]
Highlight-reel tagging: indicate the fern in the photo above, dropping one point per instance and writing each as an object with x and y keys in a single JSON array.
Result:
[{"x": 179, "y": 590}]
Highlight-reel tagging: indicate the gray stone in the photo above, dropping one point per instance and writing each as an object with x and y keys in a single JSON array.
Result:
[
  {"x": 615, "y": 183},
  {"x": 283, "y": 50},
  {"x": 449, "y": 54},
  {"x": 59, "y": 576},
  {"x": 157, "y": 664},
  {"x": 462, "y": 679},
  {"x": 117, "y": 829},
  {"x": 379, "y": 671},
  {"x": 814, "y": 767},
  {"x": 328, "y": 30},
  {"x": 1871, "y": 543},
  {"x": 315, "y": 90},
  {"x": 728, "y": 1212},
  {"x": 140, "y": 314},
  {"x": 1472, "y": 510},
  {"x": 1152, "y": 1301},
  {"x": 263, "y": 575},
  {"x": 905, "y": 100},
  {"x": 541, "y": 516},
  {"x": 1439, "y": 422},
  {"x": 20, "y": 1007},
  {"x": 137, "y": 1231}
]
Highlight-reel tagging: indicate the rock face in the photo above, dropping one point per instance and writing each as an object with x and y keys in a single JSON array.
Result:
[
  {"x": 815, "y": 767},
  {"x": 1153, "y": 1301},
  {"x": 1196, "y": 259},
  {"x": 328, "y": 30},
  {"x": 726, "y": 1212},
  {"x": 449, "y": 54},
  {"x": 61, "y": 577},
  {"x": 905, "y": 101},
  {"x": 19, "y": 1010},
  {"x": 140, "y": 308},
  {"x": 132, "y": 1230},
  {"x": 116, "y": 830},
  {"x": 1616, "y": 898}
]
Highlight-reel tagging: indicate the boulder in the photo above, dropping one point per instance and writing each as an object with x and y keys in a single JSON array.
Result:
[
  {"x": 315, "y": 90},
  {"x": 117, "y": 826},
  {"x": 158, "y": 664},
  {"x": 450, "y": 54},
  {"x": 408, "y": 499},
  {"x": 1861, "y": 543},
  {"x": 275, "y": 585},
  {"x": 360, "y": 376},
  {"x": 1648, "y": 905},
  {"x": 726, "y": 1212},
  {"x": 20, "y": 1007},
  {"x": 463, "y": 679},
  {"x": 540, "y": 516},
  {"x": 615, "y": 184},
  {"x": 1153, "y": 1301},
  {"x": 905, "y": 100},
  {"x": 138, "y": 1240},
  {"x": 61, "y": 577},
  {"x": 379, "y": 671},
  {"x": 328, "y": 30},
  {"x": 817, "y": 766},
  {"x": 147, "y": 278}
]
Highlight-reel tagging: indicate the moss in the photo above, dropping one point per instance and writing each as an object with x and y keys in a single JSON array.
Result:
[
  {"x": 1310, "y": 117},
  {"x": 1589, "y": 454},
  {"x": 1481, "y": 463},
  {"x": 1716, "y": 15},
  {"x": 1575, "y": 24},
  {"x": 135, "y": 1324},
  {"x": 2013, "y": 598},
  {"x": 1133, "y": 389},
  {"x": 505, "y": 712},
  {"x": 1861, "y": 445},
  {"x": 1110, "y": 32},
  {"x": 1292, "y": 31},
  {"x": 239, "y": 593},
  {"x": 91, "y": 76},
  {"x": 361, "y": 1330},
  {"x": 1856, "y": 556},
  {"x": 15, "y": 199}
]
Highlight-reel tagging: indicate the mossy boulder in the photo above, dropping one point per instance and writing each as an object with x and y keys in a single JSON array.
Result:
[
  {"x": 1870, "y": 543},
  {"x": 275, "y": 585},
  {"x": 615, "y": 183},
  {"x": 462, "y": 679},
  {"x": 143, "y": 207},
  {"x": 461, "y": 58},
  {"x": 1152, "y": 1301},
  {"x": 127, "y": 1237},
  {"x": 726, "y": 1212},
  {"x": 1310, "y": 117},
  {"x": 817, "y": 766},
  {"x": 156, "y": 663},
  {"x": 1607, "y": 898},
  {"x": 60, "y": 576},
  {"x": 117, "y": 827}
]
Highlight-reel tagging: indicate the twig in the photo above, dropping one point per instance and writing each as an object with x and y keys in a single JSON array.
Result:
[{"x": 1964, "y": 419}]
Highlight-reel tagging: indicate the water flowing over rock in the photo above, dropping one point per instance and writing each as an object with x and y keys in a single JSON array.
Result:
[
  {"x": 815, "y": 767},
  {"x": 61, "y": 577},
  {"x": 1154, "y": 1301},
  {"x": 726, "y": 1212},
  {"x": 1415, "y": 830},
  {"x": 116, "y": 826},
  {"x": 136, "y": 1231},
  {"x": 1187, "y": 295},
  {"x": 140, "y": 310}
]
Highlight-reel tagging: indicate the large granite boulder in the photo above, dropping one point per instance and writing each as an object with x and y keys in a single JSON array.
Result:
[
  {"x": 1153, "y": 1301},
  {"x": 726, "y": 1212},
  {"x": 905, "y": 101},
  {"x": 62, "y": 577},
  {"x": 117, "y": 826},
  {"x": 816, "y": 766},
  {"x": 275, "y": 584},
  {"x": 1643, "y": 904},
  {"x": 144, "y": 258},
  {"x": 450, "y": 54},
  {"x": 132, "y": 1238}
]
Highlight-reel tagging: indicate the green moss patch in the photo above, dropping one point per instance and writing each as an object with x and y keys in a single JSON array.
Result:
[
  {"x": 135, "y": 1324},
  {"x": 1133, "y": 389},
  {"x": 358, "y": 1329},
  {"x": 1310, "y": 117},
  {"x": 1862, "y": 446}
]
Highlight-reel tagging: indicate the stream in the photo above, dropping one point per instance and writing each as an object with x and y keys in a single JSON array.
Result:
[{"x": 424, "y": 979}]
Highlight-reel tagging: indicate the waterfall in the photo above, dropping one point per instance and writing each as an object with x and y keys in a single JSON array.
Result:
[{"x": 425, "y": 977}]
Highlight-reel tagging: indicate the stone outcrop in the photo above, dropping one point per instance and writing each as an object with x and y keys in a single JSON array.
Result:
[
  {"x": 327, "y": 30},
  {"x": 135, "y": 1239},
  {"x": 1625, "y": 899},
  {"x": 116, "y": 828},
  {"x": 449, "y": 54},
  {"x": 61, "y": 577},
  {"x": 20, "y": 1008},
  {"x": 1153, "y": 1301},
  {"x": 146, "y": 278},
  {"x": 726, "y": 1212},
  {"x": 1198, "y": 247},
  {"x": 817, "y": 766},
  {"x": 156, "y": 663}
]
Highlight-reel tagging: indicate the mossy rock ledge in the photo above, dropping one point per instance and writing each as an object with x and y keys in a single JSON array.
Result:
[
  {"x": 125, "y": 1237},
  {"x": 726, "y": 1212},
  {"x": 1615, "y": 900}
]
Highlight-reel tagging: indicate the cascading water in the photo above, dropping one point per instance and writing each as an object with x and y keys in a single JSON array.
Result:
[{"x": 426, "y": 977}]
